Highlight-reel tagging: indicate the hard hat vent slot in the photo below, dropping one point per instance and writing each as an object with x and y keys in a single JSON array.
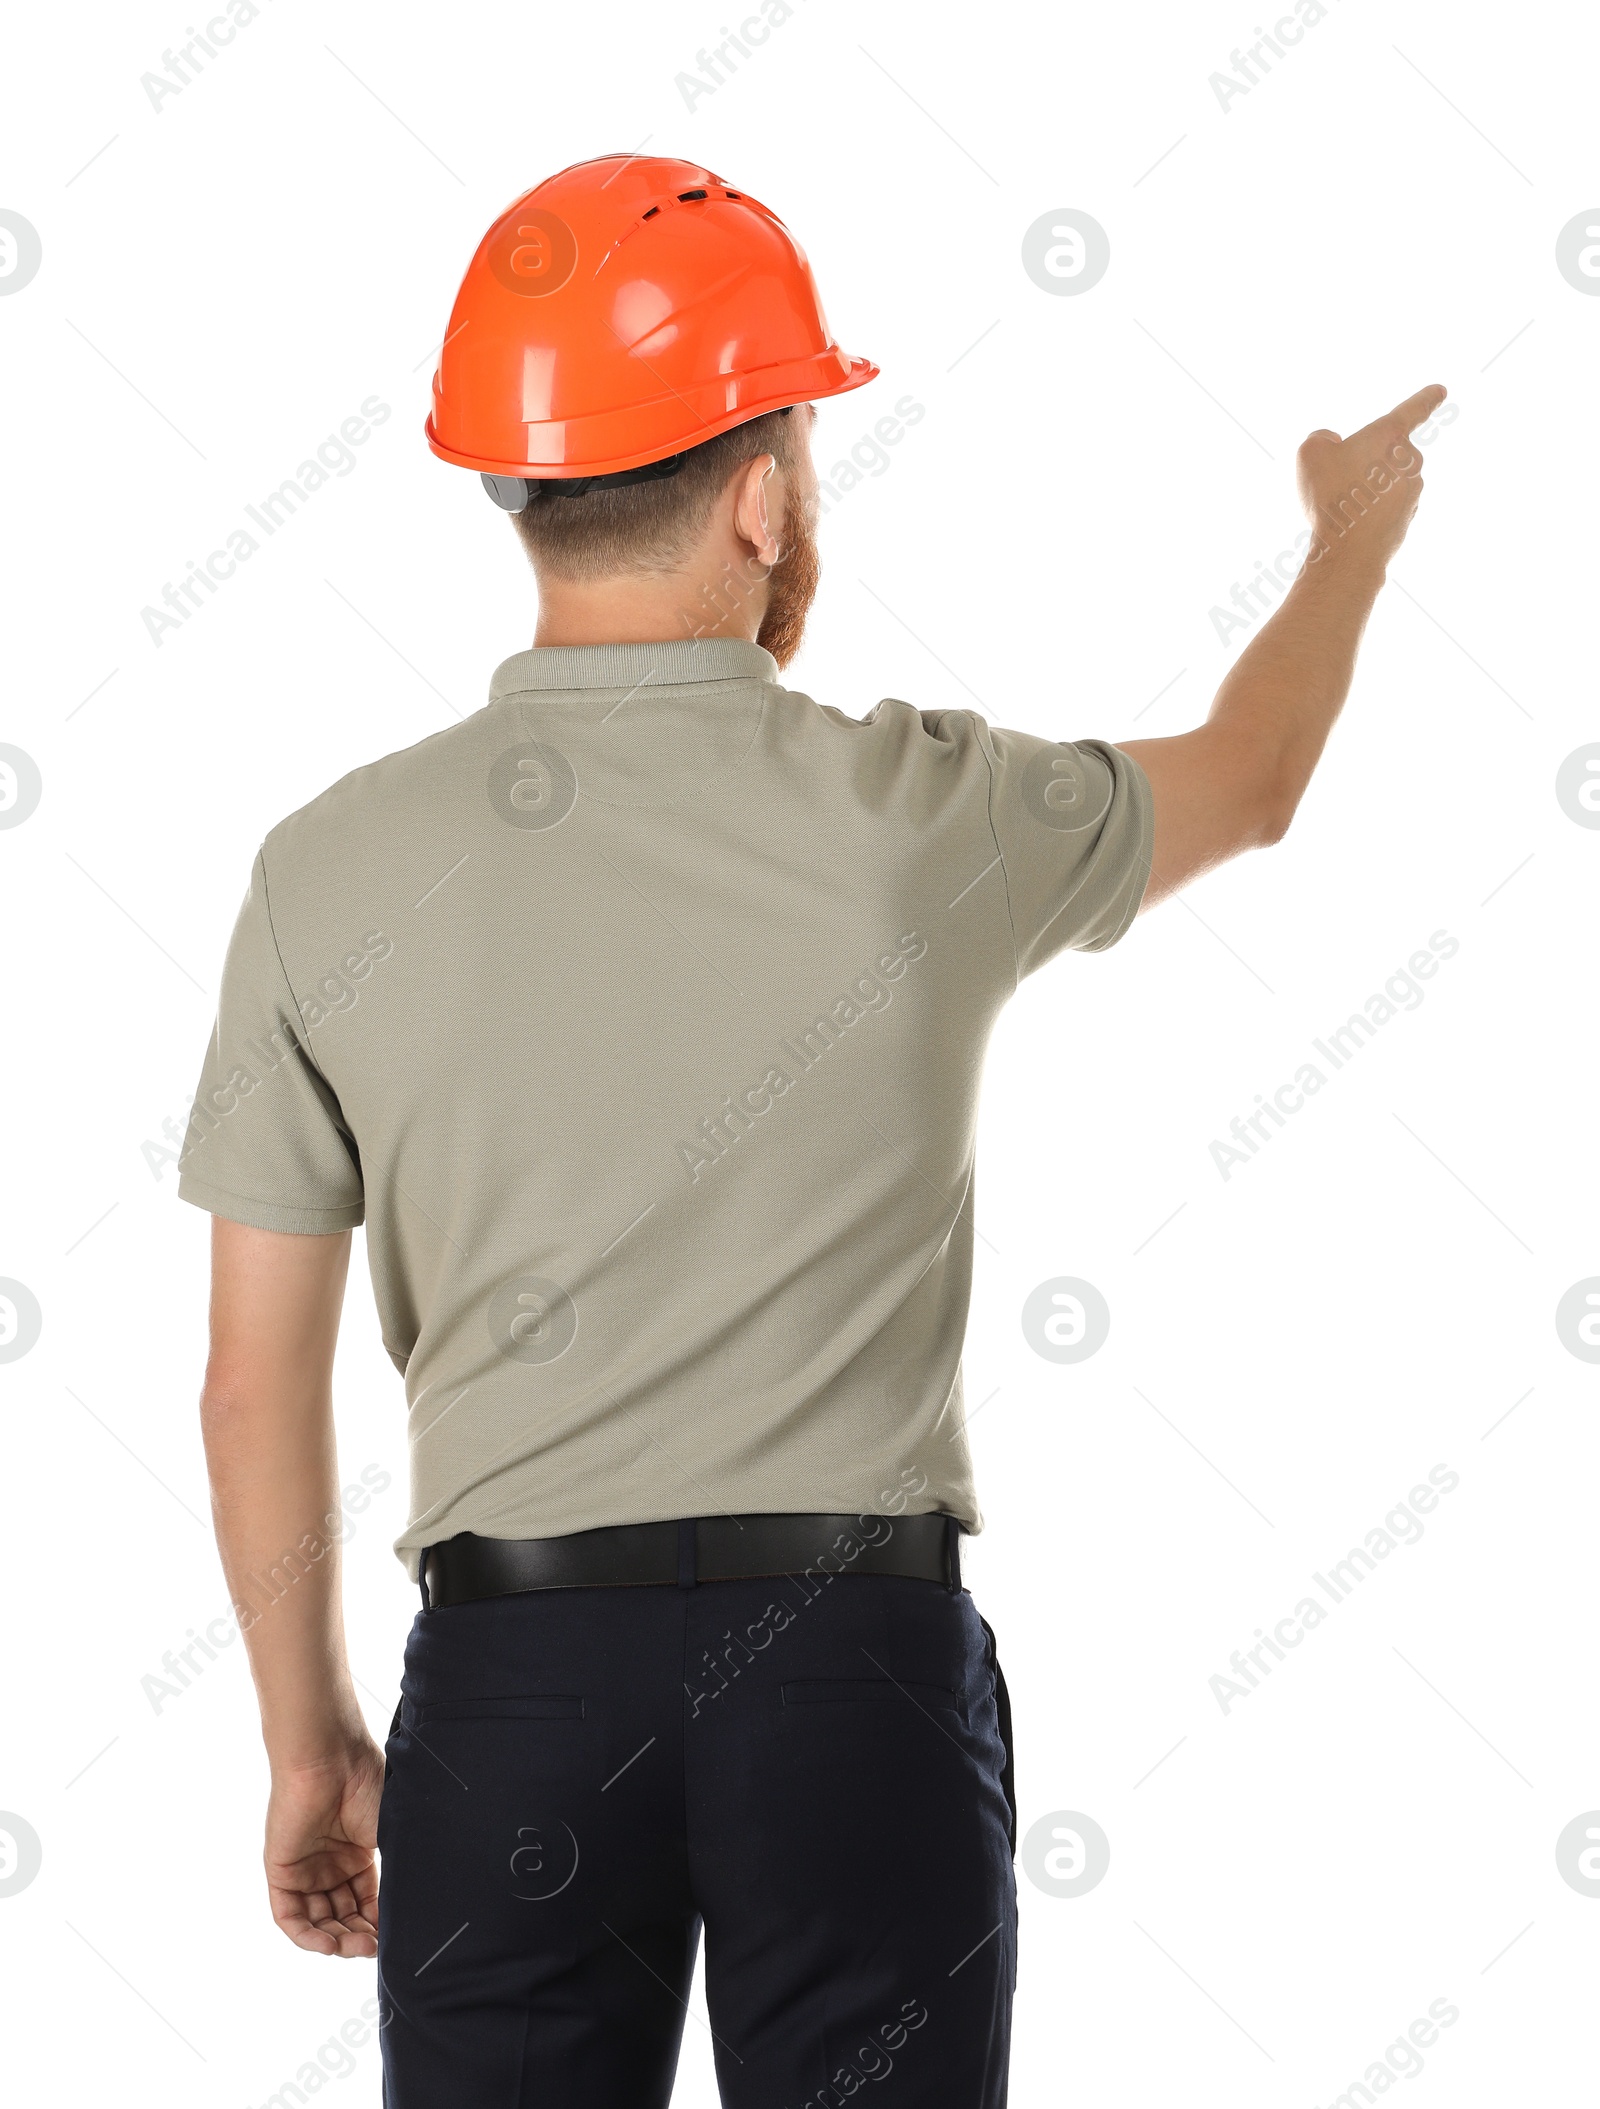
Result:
[
  {"x": 650, "y": 215},
  {"x": 733, "y": 194},
  {"x": 684, "y": 196}
]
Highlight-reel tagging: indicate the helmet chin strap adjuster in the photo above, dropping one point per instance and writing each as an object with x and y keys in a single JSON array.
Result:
[
  {"x": 510, "y": 493},
  {"x": 514, "y": 493}
]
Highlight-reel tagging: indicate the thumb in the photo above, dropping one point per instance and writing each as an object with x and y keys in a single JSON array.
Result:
[{"x": 1320, "y": 439}]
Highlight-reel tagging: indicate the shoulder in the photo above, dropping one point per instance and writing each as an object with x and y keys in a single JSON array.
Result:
[
  {"x": 384, "y": 802},
  {"x": 891, "y": 723}
]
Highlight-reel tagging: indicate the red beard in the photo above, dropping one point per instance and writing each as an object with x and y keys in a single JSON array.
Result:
[{"x": 791, "y": 588}]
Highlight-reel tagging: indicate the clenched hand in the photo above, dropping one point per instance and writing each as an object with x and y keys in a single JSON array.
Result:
[{"x": 322, "y": 1837}]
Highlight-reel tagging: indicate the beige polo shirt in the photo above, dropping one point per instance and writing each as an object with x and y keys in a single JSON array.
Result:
[{"x": 640, "y": 1019}]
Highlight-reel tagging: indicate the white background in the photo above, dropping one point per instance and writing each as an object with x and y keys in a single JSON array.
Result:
[{"x": 1292, "y": 1349}]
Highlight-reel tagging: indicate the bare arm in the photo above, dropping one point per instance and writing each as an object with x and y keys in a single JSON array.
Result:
[
  {"x": 267, "y": 1415},
  {"x": 1234, "y": 783}
]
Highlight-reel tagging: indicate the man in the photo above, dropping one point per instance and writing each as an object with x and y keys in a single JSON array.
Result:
[{"x": 639, "y": 1017}]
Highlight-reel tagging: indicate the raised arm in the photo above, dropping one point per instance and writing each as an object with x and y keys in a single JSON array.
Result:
[
  {"x": 1234, "y": 782},
  {"x": 267, "y": 1413}
]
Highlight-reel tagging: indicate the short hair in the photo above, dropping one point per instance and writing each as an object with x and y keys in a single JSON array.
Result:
[{"x": 641, "y": 527}]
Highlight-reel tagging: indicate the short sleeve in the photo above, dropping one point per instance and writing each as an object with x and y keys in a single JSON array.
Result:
[
  {"x": 267, "y": 1143},
  {"x": 1074, "y": 825}
]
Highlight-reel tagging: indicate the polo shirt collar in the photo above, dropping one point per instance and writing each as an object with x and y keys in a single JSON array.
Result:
[{"x": 687, "y": 661}]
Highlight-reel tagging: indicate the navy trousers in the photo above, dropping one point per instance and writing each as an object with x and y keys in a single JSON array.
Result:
[{"x": 814, "y": 1769}]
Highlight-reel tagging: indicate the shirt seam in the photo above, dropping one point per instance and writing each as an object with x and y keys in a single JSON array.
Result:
[
  {"x": 994, "y": 836},
  {"x": 302, "y": 1033},
  {"x": 1145, "y": 853},
  {"x": 301, "y": 1029},
  {"x": 600, "y": 688},
  {"x": 1130, "y": 914},
  {"x": 290, "y": 1208}
]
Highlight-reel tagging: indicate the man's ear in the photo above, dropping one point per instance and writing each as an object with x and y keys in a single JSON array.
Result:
[{"x": 751, "y": 520}]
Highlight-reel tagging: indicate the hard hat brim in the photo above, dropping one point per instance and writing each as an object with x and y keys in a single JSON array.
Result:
[{"x": 673, "y": 421}]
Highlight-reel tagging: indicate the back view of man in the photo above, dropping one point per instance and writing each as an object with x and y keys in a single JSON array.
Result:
[{"x": 639, "y": 1018}]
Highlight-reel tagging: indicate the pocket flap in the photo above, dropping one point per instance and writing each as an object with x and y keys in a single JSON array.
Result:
[{"x": 523, "y": 1706}]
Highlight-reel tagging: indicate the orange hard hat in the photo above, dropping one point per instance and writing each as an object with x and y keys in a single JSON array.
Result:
[{"x": 619, "y": 313}]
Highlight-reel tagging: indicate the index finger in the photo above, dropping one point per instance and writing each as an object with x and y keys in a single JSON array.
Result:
[
  {"x": 1406, "y": 416},
  {"x": 1418, "y": 408}
]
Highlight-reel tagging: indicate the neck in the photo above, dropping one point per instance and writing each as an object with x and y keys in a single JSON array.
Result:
[{"x": 653, "y": 608}]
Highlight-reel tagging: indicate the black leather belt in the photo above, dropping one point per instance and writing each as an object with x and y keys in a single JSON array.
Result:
[{"x": 697, "y": 1549}]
